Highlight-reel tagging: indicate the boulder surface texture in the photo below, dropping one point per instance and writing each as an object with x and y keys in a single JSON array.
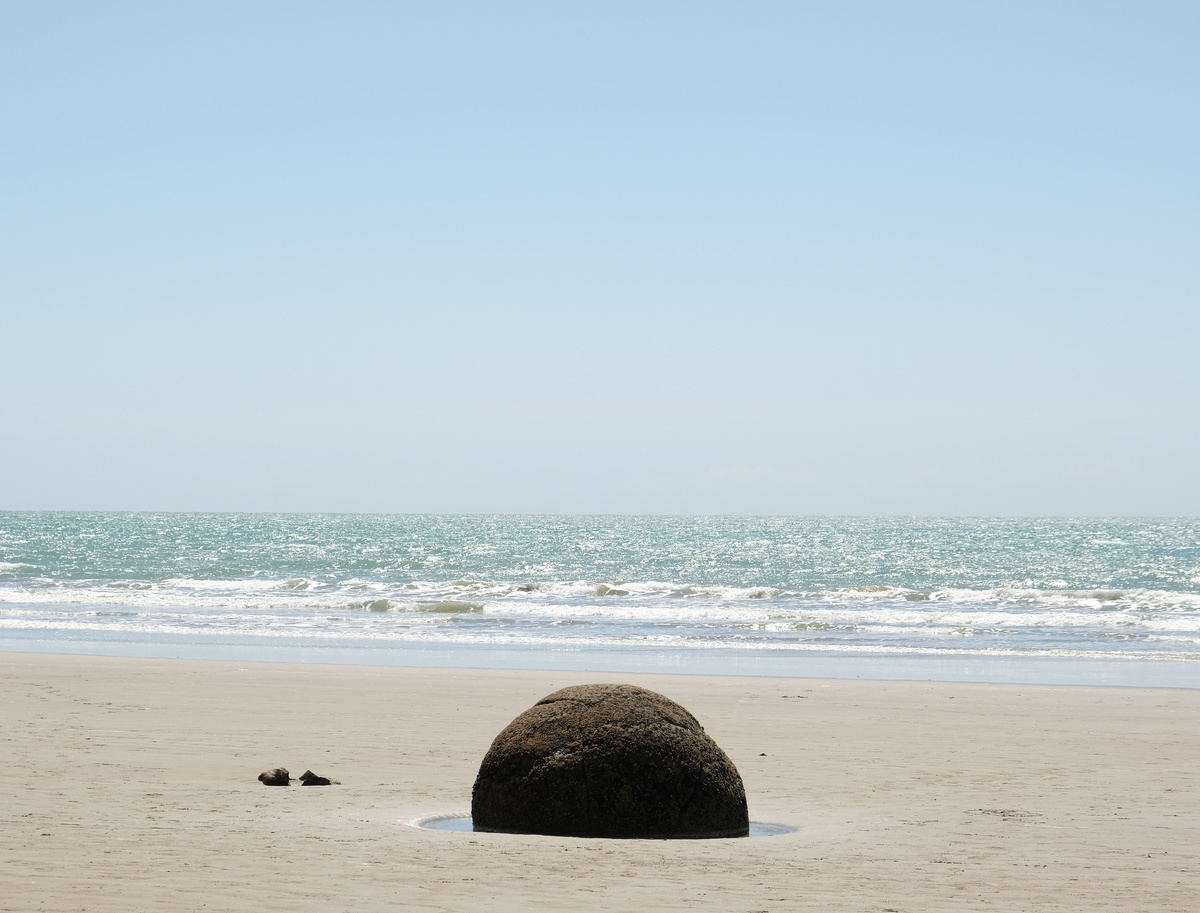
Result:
[{"x": 608, "y": 761}]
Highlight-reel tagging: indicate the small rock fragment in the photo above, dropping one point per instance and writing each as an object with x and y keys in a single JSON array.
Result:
[
  {"x": 279, "y": 776},
  {"x": 308, "y": 778}
]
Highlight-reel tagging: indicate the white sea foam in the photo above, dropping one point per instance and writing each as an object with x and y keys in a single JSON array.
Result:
[
  {"x": 659, "y": 642},
  {"x": 635, "y": 600}
]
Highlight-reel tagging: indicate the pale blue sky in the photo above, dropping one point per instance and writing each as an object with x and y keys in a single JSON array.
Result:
[{"x": 927, "y": 258}]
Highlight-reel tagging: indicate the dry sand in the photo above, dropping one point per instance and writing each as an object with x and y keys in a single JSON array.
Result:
[{"x": 130, "y": 785}]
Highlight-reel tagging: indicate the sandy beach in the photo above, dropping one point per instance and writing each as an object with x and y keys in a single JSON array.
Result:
[{"x": 130, "y": 784}]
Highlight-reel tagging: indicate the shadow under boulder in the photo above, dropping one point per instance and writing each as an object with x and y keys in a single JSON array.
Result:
[{"x": 608, "y": 761}]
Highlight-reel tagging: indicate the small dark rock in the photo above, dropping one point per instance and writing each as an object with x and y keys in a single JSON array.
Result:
[
  {"x": 308, "y": 778},
  {"x": 277, "y": 777}
]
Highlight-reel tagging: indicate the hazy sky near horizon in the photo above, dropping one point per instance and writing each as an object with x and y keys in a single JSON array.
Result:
[{"x": 851, "y": 258}]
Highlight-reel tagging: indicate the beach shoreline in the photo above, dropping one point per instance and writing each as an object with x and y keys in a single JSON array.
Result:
[
  {"x": 1030, "y": 668},
  {"x": 131, "y": 785}
]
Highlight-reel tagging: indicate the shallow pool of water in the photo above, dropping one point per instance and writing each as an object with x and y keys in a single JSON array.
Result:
[{"x": 463, "y": 823}]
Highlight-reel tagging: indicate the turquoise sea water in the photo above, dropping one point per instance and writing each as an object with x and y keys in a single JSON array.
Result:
[{"x": 1085, "y": 600}]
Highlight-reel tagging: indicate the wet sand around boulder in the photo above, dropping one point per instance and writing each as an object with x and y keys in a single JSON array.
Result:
[{"x": 130, "y": 784}]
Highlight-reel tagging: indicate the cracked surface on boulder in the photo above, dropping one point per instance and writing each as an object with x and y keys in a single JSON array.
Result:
[{"x": 608, "y": 761}]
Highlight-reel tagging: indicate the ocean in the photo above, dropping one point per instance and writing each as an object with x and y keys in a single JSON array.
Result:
[{"x": 1051, "y": 600}]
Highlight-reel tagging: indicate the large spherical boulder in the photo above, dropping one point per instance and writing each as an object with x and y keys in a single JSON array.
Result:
[{"x": 608, "y": 761}]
